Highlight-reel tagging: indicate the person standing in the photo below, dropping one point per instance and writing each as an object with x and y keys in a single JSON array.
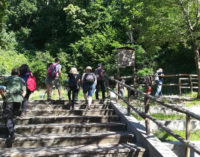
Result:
[
  {"x": 159, "y": 81},
  {"x": 100, "y": 81},
  {"x": 12, "y": 97},
  {"x": 74, "y": 85},
  {"x": 25, "y": 72},
  {"x": 53, "y": 79},
  {"x": 89, "y": 82}
]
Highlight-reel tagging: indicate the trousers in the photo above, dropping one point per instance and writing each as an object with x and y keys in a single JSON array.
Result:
[{"x": 10, "y": 111}]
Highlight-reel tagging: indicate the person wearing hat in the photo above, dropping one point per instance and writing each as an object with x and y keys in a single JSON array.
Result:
[
  {"x": 74, "y": 85},
  {"x": 89, "y": 82},
  {"x": 100, "y": 81}
]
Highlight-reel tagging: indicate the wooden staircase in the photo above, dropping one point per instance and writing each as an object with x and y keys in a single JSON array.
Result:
[{"x": 52, "y": 129}]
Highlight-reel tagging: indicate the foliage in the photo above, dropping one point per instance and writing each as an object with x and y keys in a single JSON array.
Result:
[
  {"x": 87, "y": 32},
  {"x": 9, "y": 60},
  {"x": 164, "y": 136}
]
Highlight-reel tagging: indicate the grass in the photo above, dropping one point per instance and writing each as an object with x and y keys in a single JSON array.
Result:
[
  {"x": 164, "y": 136},
  {"x": 37, "y": 95},
  {"x": 160, "y": 116},
  {"x": 192, "y": 95},
  {"x": 195, "y": 102}
]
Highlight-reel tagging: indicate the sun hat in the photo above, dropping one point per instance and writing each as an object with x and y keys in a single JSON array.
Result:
[
  {"x": 88, "y": 68},
  {"x": 73, "y": 70}
]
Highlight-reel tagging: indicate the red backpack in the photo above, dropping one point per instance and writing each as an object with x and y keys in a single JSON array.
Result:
[
  {"x": 52, "y": 71},
  {"x": 31, "y": 83}
]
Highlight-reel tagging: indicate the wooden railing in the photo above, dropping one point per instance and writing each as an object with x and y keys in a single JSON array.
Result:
[
  {"x": 147, "y": 117},
  {"x": 183, "y": 81}
]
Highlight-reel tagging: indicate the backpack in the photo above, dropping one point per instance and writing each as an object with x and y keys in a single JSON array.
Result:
[
  {"x": 89, "y": 78},
  {"x": 31, "y": 82},
  {"x": 156, "y": 77},
  {"x": 73, "y": 82},
  {"x": 51, "y": 72}
]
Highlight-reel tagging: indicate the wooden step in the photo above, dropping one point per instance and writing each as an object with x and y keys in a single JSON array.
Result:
[
  {"x": 64, "y": 128},
  {"x": 65, "y": 119},
  {"x": 108, "y": 150},
  {"x": 46, "y": 140},
  {"x": 61, "y": 112}
]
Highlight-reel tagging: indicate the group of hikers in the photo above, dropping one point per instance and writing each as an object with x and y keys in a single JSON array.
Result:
[
  {"x": 91, "y": 82},
  {"x": 17, "y": 88}
]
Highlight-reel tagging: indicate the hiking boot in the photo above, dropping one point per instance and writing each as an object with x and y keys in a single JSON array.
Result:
[
  {"x": 61, "y": 98},
  {"x": 49, "y": 99}
]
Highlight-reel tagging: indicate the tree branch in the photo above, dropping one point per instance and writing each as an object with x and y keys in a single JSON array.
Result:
[
  {"x": 197, "y": 15},
  {"x": 187, "y": 17}
]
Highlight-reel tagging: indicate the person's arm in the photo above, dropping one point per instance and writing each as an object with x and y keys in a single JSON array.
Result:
[
  {"x": 95, "y": 79},
  {"x": 2, "y": 94},
  {"x": 59, "y": 71}
]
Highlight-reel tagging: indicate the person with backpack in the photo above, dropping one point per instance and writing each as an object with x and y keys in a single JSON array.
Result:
[
  {"x": 100, "y": 81},
  {"x": 89, "y": 82},
  {"x": 74, "y": 85},
  {"x": 53, "y": 79},
  {"x": 12, "y": 100},
  {"x": 159, "y": 81},
  {"x": 30, "y": 81}
]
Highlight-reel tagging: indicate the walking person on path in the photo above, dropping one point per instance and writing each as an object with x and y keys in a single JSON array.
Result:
[
  {"x": 74, "y": 85},
  {"x": 12, "y": 100},
  {"x": 53, "y": 79},
  {"x": 25, "y": 73},
  {"x": 89, "y": 82},
  {"x": 159, "y": 81},
  {"x": 100, "y": 81}
]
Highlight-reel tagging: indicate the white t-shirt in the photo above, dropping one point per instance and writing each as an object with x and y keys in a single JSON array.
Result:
[{"x": 58, "y": 68}]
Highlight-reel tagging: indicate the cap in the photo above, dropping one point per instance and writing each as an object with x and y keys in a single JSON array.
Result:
[{"x": 88, "y": 68}]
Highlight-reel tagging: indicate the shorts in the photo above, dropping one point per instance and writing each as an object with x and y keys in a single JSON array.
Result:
[
  {"x": 89, "y": 89},
  {"x": 148, "y": 90},
  {"x": 53, "y": 83}
]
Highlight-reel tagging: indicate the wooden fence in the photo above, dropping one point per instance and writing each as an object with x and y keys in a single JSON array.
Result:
[
  {"x": 182, "y": 81},
  {"x": 147, "y": 117}
]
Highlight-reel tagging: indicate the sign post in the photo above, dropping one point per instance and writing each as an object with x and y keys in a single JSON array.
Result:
[{"x": 126, "y": 58}]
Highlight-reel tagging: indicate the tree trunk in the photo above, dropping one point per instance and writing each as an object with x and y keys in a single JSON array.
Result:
[{"x": 197, "y": 61}]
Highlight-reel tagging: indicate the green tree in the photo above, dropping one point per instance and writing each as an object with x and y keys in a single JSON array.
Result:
[{"x": 168, "y": 24}]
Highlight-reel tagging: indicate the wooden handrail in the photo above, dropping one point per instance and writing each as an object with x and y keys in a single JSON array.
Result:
[
  {"x": 179, "y": 109},
  {"x": 189, "y": 114}
]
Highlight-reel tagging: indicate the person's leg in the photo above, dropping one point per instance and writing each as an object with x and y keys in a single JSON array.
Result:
[
  {"x": 25, "y": 102},
  {"x": 58, "y": 86},
  {"x": 8, "y": 115},
  {"x": 69, "y": 94},
  {"x": 160, "y": 90},
  {"x": 48, "y": 86},
  {"x": 159, "y": 87},
  {"x": 103, "y": 89},
  {"x": 90, "y": 93},
  {"x": 76, "y": 95},
  {"x": 97, "y": 90}
]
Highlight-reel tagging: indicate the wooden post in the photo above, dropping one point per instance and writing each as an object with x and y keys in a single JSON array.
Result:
[
  {"x": 118, "y": 77},
  {"x": 108, "y": 91},
  {"x": 191, "y": 85},
  {"x": 187, "y": 137},
  {"x": 134, "y": 81},
  {"x": 128, "y": 107},
  {"x": 179, "y": 86},
  {"x": 146, "y": 108}
]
